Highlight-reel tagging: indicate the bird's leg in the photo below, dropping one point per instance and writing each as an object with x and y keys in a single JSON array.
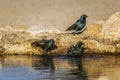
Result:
[
  {"x": 45, "y": 52},
  {"x": 74, "y": 33},
  {"x": 50, "y": 53}
]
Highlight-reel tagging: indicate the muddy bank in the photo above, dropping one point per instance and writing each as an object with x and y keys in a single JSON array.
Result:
[{"x": 98, "y": 38}]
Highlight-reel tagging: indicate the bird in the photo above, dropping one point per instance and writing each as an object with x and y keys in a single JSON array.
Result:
[
  {"x": 76, "y": 50},
  {"x": 78, "y": 25},
  {"x": 70, "y": 50},
  {"x": 46, "y": 45}
]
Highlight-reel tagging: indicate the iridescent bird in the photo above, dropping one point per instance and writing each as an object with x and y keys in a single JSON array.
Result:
[
  {"x": 46, "y": 45},
  {"x": 76, "y": 50},
  {"x": 78, "y": 25}
]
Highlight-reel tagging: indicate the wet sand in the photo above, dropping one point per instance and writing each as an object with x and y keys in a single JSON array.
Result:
[{"x": 54, "y": 13}]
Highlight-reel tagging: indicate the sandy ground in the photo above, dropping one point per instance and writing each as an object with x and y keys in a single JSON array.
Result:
[{"x": 58, "y": 14}]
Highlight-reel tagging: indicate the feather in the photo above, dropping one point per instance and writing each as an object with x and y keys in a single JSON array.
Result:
[
  {"x": 72, "y": 27},
  {"x": 78, "y": 25}
]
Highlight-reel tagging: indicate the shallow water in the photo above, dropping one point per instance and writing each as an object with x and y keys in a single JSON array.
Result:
[{"x": 59, "y": 68}]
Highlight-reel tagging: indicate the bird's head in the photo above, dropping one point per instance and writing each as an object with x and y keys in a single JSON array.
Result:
[
  {"x": 52, "y": 41},
  {"x": 83, "y": 17},
  {"x": 79, "y": 44}
]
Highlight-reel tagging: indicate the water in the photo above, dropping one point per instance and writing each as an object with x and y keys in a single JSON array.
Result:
[{"x": 59, "y": 68}]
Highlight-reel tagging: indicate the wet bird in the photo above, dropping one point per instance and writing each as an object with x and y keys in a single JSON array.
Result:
[
  {"x": 46, "y": 45},
  {"x": 70, "y": 50},
  {"x": 78, "y": 25},
  {"x": 76, "y": 50}
]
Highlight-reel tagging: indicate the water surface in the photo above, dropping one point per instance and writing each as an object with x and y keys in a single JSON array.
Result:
[{"x": 59, "y": 68}]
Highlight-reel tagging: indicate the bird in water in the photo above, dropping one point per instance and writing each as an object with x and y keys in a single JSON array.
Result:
[
  {"x": 78, "y": 25},
  {"x": 46, "y": 45},
  {"x": 76, "y": 50}
]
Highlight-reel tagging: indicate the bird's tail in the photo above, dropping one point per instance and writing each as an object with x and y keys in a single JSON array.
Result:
[
  {"x": 66, "y": 30},
  {"x": 70, "y": 28}
]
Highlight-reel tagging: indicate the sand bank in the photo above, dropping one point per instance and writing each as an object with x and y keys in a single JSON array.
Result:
[{"x": 98, "y": 38}]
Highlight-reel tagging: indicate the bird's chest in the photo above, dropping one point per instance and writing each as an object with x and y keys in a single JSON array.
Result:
[
  {"x": 49, "y": 45},
  {"x": 80, "y": 25}
]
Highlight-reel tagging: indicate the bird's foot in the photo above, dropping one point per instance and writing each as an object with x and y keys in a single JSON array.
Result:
[{"x": 74, "y": 33}]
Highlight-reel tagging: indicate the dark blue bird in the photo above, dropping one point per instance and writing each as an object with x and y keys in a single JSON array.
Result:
[
  {"x": 78, "y": 25},
  {"x": 76, "y": 50},
  {"x": 46, "y": 45}
]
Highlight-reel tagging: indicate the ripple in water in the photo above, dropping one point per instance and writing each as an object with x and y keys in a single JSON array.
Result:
[{"x": 59, "y": 68}]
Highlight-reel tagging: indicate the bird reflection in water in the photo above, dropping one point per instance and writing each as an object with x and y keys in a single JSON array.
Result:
[
  {"x": 44, "y": 63},
  {"x": 2, "y": 61},
  {"x": 79, "y": 71}
]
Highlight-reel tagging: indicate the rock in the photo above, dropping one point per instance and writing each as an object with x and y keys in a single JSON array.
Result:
[
  {"x": 93, "y": 30},
  {"x": 14, "y": 38},
  {"x": 98, "y": 38},
  {"x": 23, "y": 48},
  {"x": 103, "y": 78},
  {"x": 17, "y": 43},
  {"x": 111, "y": 28}
]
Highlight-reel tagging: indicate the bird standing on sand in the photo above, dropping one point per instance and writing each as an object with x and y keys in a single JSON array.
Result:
[
  {"x": 78, "y": 25},
  {"x": 76, "y": 50},
  {"x": 46, "y": 45}
]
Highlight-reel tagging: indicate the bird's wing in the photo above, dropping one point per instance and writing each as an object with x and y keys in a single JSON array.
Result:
[
  {"x": 36, "y": 44},
  {"x": 52, "y": 48},
  {"x": 44, "y": 41},
  {"x": 72, "y": 27}
]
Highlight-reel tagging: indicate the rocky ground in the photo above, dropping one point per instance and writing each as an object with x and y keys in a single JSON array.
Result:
[{"x": 102, "y": 37}]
